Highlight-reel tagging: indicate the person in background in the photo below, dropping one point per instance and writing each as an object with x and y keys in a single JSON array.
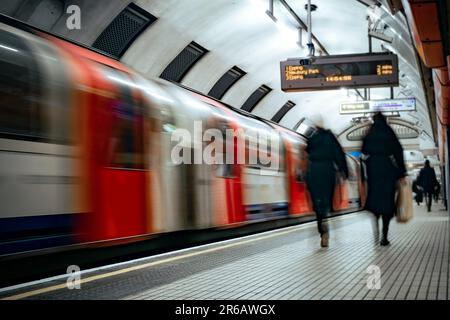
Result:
[
  {"x": 428, "y": 182},
  {"x": 385, "y": 166},
  {"x": 325, "y": 155},
  {"x": 437, "y": 192},
  {"x": 418, "y": 191}
]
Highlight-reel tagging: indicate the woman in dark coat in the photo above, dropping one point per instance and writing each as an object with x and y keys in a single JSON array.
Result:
[
  {"x": 324, "y": 156},
  {"x": 427, "y": 180},
  {"x": 385, "y": 165}
]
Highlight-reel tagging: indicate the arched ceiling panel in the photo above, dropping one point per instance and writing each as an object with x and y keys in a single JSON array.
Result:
[
  {"x": 240, "y": 33},
  {"x": 149, "y": 54},
  {"x": 340, "y": 26},
  {"x": 270, "y": 105}
]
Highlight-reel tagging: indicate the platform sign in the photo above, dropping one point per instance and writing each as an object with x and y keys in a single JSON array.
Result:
[
  {"x": 354, "y": 107},
  {"x": 392, "y": 105},
  {"x": 339, "y": 71}
]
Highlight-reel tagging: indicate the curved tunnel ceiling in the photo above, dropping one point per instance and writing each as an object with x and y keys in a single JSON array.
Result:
[{"x": 240, "y": 33}]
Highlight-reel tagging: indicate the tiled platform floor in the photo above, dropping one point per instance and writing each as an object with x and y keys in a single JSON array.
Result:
[{"x": 286, "y": 264}]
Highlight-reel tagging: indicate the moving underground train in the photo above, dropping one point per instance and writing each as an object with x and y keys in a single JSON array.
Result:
[{"x": 87, "y": 153}]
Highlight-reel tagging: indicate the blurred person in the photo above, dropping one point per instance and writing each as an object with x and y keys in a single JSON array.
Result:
[
  {"x": 385, "y": 166},
  {"x": 325, "y": 156},
  {"x": 437, "y": 192},
  {"x": 428, "y": 182},
  {"x": 418, "y": 191}
]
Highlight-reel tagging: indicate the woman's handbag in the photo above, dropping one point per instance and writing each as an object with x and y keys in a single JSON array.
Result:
[{"x": 404, "y": 203}]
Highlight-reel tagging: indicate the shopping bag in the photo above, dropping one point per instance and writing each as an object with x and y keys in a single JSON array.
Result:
[{"x": 404, "y": 203}]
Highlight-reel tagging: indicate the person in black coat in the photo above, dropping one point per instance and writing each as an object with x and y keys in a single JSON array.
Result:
[
  {"x": 385, "y": 165},
  {"x": 324, "y": 156},
  {"x": 437, "y": 192},
  {"x": 428, "y": 182},
  {"x": 418, "y": 191}
]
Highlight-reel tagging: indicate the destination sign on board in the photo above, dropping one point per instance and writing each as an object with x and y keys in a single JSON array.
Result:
[
  {"x": 407, "y": 104},
  {"x": 334, "y": 72}
]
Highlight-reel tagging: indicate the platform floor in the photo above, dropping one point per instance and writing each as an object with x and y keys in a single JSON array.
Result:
[{"x": 282, "y": 264}]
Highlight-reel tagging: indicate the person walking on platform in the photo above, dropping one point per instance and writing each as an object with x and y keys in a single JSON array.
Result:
[
  {"x": 385, "y": 165},
  {"x": 418, "y": 191},
  {"x": 437, "y": 192},
  {"x": 325, "y": 155},
  {"x": 428, "y": 182}
]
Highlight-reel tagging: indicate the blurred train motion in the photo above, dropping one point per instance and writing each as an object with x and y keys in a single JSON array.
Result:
[{"x": 85, "y": 153}]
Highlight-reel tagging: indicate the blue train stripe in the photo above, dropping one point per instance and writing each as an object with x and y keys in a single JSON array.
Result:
[
  {"x": 266, "y": 210},
  {"x": 18, "y": 234},
  {"x": 51, "y": 221}
]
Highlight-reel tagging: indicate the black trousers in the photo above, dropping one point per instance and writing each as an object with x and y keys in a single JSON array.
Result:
[
  {"x": 386, "y": 219},
  {"x": 322, "y": 224}
]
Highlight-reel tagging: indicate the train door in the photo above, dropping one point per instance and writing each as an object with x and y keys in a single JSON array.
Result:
[
  {"x": 191, "y": 119},
  {"x": 167, "y": 201},
  {"x": 221, "y": 172},
  {"x": 203, "y": 177},
  {"x": 341, "y": 192},
  {"x": 117, "y": 133},
  {"x": 167, "y": 198},
  {"x": 296, "y": 164},
  {"x": 232, "y": 173},
  {"x": 362, "y": 183},
  {"x": 299, "y": 201},
  {"x": 227, "y": 187},
  {"x": 264, "y": 171},
  {"x": 354, "y": 200}
]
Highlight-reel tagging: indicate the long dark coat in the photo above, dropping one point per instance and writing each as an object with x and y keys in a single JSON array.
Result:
[
  {"x": 385, "y": 165},
  {"x": 427, "y": 179},
  {"x": 324, "y": 156}
]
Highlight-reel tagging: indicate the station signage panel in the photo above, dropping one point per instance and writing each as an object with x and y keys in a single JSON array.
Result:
[
  {"x": 392, "y": 105},
  {"x": 339, "y": 71}
]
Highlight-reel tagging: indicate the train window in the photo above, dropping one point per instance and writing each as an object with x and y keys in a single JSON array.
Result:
[
  {"x": 126, "y": 139},
  {"x": 20, "y": 78},
  {"x": 301, "y": 165},
  {"x": 266, "y": 154},
  {"x": 263, "y": 155},
  {"x": 225, "y": 170},
  {"x": 352, "y": 176},
  {"x": 126, "y": 135},
  {"x": 282, "y": 156}
]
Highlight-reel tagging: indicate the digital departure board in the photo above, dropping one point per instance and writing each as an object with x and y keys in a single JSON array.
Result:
[{"x": 339, "y": 71}]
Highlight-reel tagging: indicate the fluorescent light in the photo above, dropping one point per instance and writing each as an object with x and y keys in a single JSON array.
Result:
[{"x": 8, "y": 48}]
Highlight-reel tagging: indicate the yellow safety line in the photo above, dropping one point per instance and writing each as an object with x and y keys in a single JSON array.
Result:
[{"x": 151, "y": 264}]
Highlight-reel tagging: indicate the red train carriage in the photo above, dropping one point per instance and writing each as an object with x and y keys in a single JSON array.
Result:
[{"x": 98, "y": 163}]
